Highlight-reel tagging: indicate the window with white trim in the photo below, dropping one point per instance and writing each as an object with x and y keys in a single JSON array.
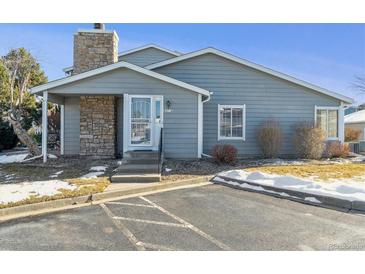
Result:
[
  {"x": 231, "y": 122},
  {"x": 327, "y": 119}
]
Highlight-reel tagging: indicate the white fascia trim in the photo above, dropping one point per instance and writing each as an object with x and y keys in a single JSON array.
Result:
[
  {"x": 147, "y": 47},
  {"x": 254, "y": 66},
  {"x": 243, "y": 107},
  {"x": 107, "y": 68}
]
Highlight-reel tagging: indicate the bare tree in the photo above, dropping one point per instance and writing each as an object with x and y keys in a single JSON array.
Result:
[
  {"x": 359, "y": 83},
  {"x": 18, "y": 72}
]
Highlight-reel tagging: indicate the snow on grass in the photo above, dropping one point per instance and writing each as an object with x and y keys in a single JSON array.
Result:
[
  {"x": 98, "y": 168},
  {"x": 12, "y": 193},
  {"x": 55, "y": 175},
  {"x": 95, "y": 172},
  {"x": 7, "y": 159},
  {"x": 92, "y": 175},
  {"x": 168, "y": 169},
  {"x": 347, "y": 189}
]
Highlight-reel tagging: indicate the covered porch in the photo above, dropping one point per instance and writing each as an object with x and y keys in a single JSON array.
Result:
[{"x": 108, "y": 125}]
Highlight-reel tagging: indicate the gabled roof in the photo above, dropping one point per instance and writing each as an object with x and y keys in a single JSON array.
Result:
[
  {"x": 122, "y": 64},
  {"x": 123, "y": 53},
  {"x": 175, "y": 53},
  {"x": 355, "y": 117},
  {"x": 254, "y": 66}
]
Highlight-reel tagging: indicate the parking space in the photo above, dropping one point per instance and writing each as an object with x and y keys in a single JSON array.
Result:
[
  {"x": 166, "y": 231},
  {"x": 211, "y": 217}
]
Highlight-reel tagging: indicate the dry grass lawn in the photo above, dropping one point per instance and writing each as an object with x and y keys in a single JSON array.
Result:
[
  {"x": 84, "y": 187},
  {"x": 321, "y": 172}
]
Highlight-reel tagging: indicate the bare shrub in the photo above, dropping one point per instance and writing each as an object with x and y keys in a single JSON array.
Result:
[
  {"x": 226, "y": 154},
  {"x": 337, "y": 150},
  {"x": 270, "y": 138},
  {"x": 309, "y": 140},
  {"x": 352, "y": 134}
]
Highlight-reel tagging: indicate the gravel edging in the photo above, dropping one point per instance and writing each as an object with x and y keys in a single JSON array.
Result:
[
  {"x": 67, "y": 203},
  {"x": 297, "y": 196}
]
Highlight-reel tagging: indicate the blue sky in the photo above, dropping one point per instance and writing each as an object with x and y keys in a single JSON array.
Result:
[{"x": 328, "y": 55}]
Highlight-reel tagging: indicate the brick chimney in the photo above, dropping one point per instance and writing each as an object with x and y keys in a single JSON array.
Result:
[{"x": 94, "y": 48}]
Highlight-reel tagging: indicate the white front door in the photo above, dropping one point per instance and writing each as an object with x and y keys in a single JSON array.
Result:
[{"x": 145, "y": 122}]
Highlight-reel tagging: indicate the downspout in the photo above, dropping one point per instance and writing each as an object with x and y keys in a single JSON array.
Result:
[{"x": 204, "y": 101}]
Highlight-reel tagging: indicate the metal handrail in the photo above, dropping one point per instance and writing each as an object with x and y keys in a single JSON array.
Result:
[{"x": 160, "y": 151}]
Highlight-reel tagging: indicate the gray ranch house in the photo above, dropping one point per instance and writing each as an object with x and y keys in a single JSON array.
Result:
[{"x": 150, "y": 98}]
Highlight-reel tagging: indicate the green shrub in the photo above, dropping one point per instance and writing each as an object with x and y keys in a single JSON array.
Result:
[
  {"x": 8, "y": 138},
  {"x": 36, "y": 136}
]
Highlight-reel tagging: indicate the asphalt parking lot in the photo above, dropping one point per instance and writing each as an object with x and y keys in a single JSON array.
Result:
[{"x": 211, "y": 217}]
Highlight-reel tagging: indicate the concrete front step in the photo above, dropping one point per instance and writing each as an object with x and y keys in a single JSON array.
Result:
[
  {"x": 141, "y": 154},
  {"x": 136, "y": 178},
  {"x": 138, "y": 168},
  {"x": 141, "y": 161}
]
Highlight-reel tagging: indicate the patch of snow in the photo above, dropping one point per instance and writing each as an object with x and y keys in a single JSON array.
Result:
[
  {"x": 249, "y": 186},
  {"x": 312, "y": 200},
  {"x": 119, "y": 163},
  {"x": 18, "y": 192},
  {"x": 51, "y": 156},
  {"x": 95, "y": 172},
  {"x": 8, "y": 176},
  {"x": 56, "y": 174},
  {"x": 92, "y": 175},
  {"x": 7, "y": 159},
  {"x": 168, "y": 169},
  {"x": 349, "y": 189},
  {"x": 98, "y": 168}
]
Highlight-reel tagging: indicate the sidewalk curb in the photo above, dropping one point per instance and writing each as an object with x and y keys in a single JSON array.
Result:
[
  {"x": 10, "y": 213},
  {"x": 297, "y": 196}
]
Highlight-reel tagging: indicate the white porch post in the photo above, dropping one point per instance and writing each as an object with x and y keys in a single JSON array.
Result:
[
  {"x": 126, "y": 125},
  {"x": 341, "y": 123},
  {"x": 62, "y": 129},
  {"x": 44, "y": 125}
]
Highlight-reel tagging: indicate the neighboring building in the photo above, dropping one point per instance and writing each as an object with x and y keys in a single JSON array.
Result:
[
  {"x": 356, "y": 121},
  {"x": 114, "y": 103},
  {"x": 353, "y": 109}
]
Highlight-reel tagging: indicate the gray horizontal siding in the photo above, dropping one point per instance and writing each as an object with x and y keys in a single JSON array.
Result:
[
  {"x": 146, "y": 57},
  {"x": 72, "y": 125},
  {"x": 180, "y": 125},
  {"x": 265, "y": 97}
]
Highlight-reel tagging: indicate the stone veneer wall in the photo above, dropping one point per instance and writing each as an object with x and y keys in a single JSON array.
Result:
[
  {"x": 94, "y": 49},
  {"x": 98, "y": 126}
]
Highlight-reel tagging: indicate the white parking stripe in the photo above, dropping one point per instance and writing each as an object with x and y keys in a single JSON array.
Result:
[
  {"x": 148, "y": 221},
  {"x": 157, "y": 247},
  {"x": 123, "y": 229},
  {"x": 129, "y": 204},
  {"x": 187, "y": 224}
]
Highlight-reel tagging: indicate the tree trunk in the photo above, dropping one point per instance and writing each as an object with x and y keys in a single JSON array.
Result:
[{"x": 22, "y": 134}]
